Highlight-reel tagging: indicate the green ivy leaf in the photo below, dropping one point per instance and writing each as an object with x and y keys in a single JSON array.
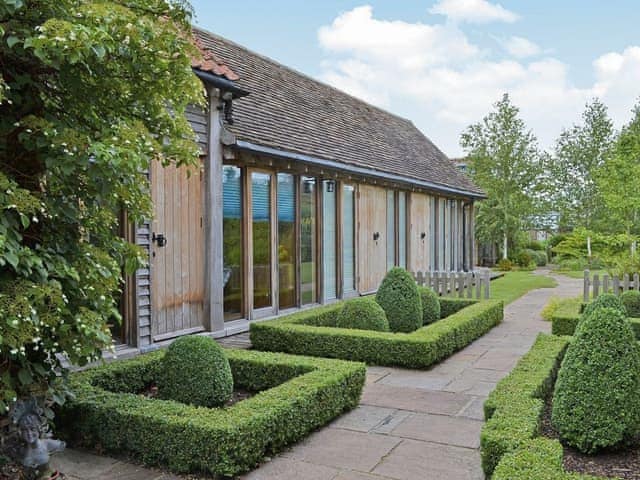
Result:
[
  {"x": 25, "y": 376},
  {"x": 12, "y": 40}
]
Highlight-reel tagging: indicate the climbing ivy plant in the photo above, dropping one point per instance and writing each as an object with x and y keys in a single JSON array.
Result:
[{"x": 91, "y": 92}]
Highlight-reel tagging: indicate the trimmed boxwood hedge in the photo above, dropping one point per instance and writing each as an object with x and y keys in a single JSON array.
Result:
[
  {"x": 565, "y": 319},
  {"x": 362, "y": 314},
  {"x": 513, "y": 410},
  {"x": 296, "y": 395},
  {"x": 313, "y": 332}
]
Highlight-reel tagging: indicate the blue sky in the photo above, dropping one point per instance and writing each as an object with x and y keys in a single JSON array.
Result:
[{"x": 442, "y": 63}]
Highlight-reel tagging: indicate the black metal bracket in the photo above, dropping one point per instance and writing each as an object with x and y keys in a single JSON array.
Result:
[
  {"x": 376, "y": 235},
  {"x": 159, "y": 239}
]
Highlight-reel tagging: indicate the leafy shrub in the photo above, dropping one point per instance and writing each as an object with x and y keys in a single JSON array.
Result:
[
  {"x": 551, "y": 308},
  {"x": 631, "y": 301},
  {"x": 523, "y": 259},
  {"x": 505, "y": 265},
  {"x": 297, "y": 396},
  {"x": 537, "y": 459},
  {"x": 195, "y": 370},
  {"x": 608, "y": 300},
  {"x": 399, "y": 298},
  {"x": 512, "y": 411},
  {"x": 362, "y": 314},
  {"x": 596, "y": 403},
  {"x": 449, "y": 306},
  {"x": 537, "y": 256},
  {"x": 536, "y": 246},
  {"x": 310, "y": 333},
  {"x": 430, "y": 305}
]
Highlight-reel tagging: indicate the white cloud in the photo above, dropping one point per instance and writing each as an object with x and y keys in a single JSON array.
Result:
[
  {"x": 520, "y": 47},
  {"x": 435, "y": 76},
  {"x": 473, "y": 11}
]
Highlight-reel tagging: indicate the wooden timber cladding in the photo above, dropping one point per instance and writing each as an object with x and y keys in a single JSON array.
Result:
[
  {"x": 419, "y": 234},
  {"x": 372, "y": 221},
  {"x": 177, "y": 268}
]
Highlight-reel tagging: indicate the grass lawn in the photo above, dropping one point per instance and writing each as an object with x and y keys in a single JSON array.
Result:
[{"x": 515, "y": 284}]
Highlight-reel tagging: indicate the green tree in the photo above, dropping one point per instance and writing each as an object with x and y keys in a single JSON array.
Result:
[
  {"x": 579, "y": 152},
  {"x": 92, "y": 92},
  {"x": 505, "y": 161},
  {"x": 617, "y": 178}
]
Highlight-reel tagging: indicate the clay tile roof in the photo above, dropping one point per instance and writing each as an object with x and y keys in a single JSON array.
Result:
[
  {"x": 212, "y": 64},
  {"x": 289, "y": 111}
]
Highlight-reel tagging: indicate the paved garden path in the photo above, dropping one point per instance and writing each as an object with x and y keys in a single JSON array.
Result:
[{"x": 410, "y": 424}]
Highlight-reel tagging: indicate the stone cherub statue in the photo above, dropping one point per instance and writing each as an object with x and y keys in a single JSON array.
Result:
[{"x": 37, "y": 444}]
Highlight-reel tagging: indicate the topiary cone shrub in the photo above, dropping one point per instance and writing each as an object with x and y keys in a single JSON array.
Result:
[
  {"x": 596, "y": 404},
  {"x": 605, "y": 300},
  {"x": 631, "y": 301},
  {"x": 430, "y": 305},
  {"x": 196, "y": 371},
  {"x": 362, "y": 314},
  {"x": 399, "y": 298}
]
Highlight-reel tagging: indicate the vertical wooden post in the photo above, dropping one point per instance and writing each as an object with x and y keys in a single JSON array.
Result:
[
  {"x": 420, "y": 278},
  {"x": 461, "y": 277},
  {"x": 478, "y": 286},
  {"x": 214, "y": 260},
  {"x": 615, "y": 283},
  {"x": 453, "y": 284},
  {"x": 636, "y": 281},
  {"x": 605, "y": 283},
  {"x": 585, "y": 288},
  {"x": 427, "y": 281},
  {"x": 469, "y": 285},
  {"x": 625, "y": 282},
  {"x": 436, "y": 283},
  {"x": 596, "y": 286}
]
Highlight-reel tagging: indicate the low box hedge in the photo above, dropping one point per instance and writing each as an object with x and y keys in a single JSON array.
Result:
[
  {"x": 565, "y": 319},
  {"x": 313, "y": 332},
  {"x": 296, "y": 395},
  {"x": 513, "y": 410}
]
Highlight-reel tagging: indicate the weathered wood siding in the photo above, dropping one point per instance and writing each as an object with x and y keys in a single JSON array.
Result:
[
  {"x": 372, "y": 219},
  {"x": 198, "y": 119},
  {"x": 419, "y": 232}
]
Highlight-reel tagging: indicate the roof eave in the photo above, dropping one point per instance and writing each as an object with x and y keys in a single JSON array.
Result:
[
  {"x": 367, "y": 172},
  {"x": 221, "y": 83}
]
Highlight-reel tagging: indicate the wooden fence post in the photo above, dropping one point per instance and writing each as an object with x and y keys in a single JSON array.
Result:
[
  {"x": 615, "y": 284},
  {"x": 470, "y": 285},
  {"x": 605, "y": 283},
  {"x": 636, "y": 281},
  {"x": 596, "y": 286},
  {"x": 585, "y": 291},
  {"x": 427, "y": 279},
  {"x": 436, "y": 283},
  {"x": 461, "y": 277},
  {"x": 478, "y": 286},
  {"x": 420, "y": 278},
  {"x": 625, "y": 282},
  {"x": 486, "y": 285}
]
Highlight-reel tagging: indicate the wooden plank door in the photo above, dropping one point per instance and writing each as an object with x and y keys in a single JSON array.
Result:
[
  {"x": 372, "y": 237},
  {"x": 177, "y": 267},
  {"x": 419, "y": 232}
]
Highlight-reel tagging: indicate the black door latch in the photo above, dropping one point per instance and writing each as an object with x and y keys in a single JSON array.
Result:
[{"x": 160, "y": 239}]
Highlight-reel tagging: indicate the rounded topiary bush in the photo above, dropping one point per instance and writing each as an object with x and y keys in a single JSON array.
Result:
[
  {"x": 605, "y": 300},
  {"x": 195, "y": 370},
  {"x": 362, "y": 314},
  {"x": 631, "y": 301},
  {"x": 430, "y": 305},
  {"x": 596, "y": 403},
  {"x": 399, "y": 298}
]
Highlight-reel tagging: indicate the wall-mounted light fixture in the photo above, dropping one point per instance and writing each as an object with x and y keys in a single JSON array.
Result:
[
  {"x": 331, "y": 185},
  {"x": 422, "y": 235},
  {"x": 376, "y": 236}
]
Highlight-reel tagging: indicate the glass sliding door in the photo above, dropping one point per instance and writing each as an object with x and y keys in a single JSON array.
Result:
[
  {"x": 308, "y": 241},
  {"x": 329, "y": 239},
  {"x": 232, "y": 242},
  {"x": 286, "y": 241},
  {"x": 402, "y": 229},
  {"x": 391, "y": 230},
  {"x": 348, "y": 240},
  {"x": 261, "y": 228}
]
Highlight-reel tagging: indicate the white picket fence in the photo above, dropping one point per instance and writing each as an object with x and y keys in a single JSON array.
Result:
[
  {"x": 597, "y": 285},
  {"x": 461, "y": 284}
]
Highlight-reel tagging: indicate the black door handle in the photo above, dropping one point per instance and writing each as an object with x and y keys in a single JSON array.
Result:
[{"x": 159, "y": 238}]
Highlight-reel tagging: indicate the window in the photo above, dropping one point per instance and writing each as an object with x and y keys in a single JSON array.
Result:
[
  {"x": 329, "y": 239},
  {"x": 391, "y": 229},
  {"x": 286, "y": 241},
  {"x": 348, "y": 240},
  {"x": 402, "y": 229},
  {"x": 308, "y": 241},
  {"x": 232, "y": 243},
  {"x": 261, "y": 226}
]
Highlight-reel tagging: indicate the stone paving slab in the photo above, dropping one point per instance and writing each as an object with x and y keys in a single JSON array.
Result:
[{"x": 410, "y": 425}]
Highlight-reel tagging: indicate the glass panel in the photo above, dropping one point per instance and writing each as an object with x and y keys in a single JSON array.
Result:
[
  {"x": 232, "y": 241},
  {"x": 261, "y": 220},
  {"x": 286, "y": 240},
  {"x": 348, "y": 239},
  {"x": 442, "y": 240},
  {"x": 308, "y": 244},
  {"x": 402, "y": 229},
  {"x": 391, "y": 230},
  {"x": 433, "y": 234},
  {"x": 329, "y": 238}
]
